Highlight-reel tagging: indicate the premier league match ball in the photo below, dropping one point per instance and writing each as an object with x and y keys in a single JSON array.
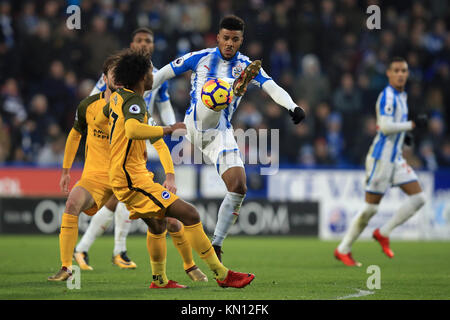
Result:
[{"x": 217, "y": 94}]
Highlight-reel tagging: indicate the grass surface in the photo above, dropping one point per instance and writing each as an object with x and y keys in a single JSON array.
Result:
[{"x": 286, "y": 268}]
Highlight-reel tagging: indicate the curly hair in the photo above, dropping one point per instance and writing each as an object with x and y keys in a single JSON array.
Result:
[
  {"x": 232, "y": 22},
  {"x": 131, "y": 67}
]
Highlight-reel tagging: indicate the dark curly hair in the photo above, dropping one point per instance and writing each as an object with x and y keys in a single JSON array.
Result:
[
  {"x": 232, "y": 22},
  {"x": 131, "y": 67}
]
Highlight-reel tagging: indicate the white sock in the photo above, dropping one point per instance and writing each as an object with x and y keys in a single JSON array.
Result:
[
  {"x": 357, "y": 226},
  {"x": 406, "y": 211},
  {"x": 97, "y": 226},
  {"x": 228, "y": 214},
  {"x": 122, "y": 226}
]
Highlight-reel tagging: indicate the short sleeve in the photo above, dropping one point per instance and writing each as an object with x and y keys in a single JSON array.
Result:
[
  {"x": 80, "y": 123},
  {"x": 134, "y": 108}
]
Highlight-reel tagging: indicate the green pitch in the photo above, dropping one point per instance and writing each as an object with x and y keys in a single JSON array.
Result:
[{"x": 285, "y": 268}]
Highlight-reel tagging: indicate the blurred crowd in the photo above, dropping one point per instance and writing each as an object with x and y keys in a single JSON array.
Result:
[{"x": 321, "y": 52}]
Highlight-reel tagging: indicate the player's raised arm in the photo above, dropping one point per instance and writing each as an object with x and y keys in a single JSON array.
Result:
[
  {"x": 162, "y": 75},
  {"x": 280, "y": 96},
  {"x": 135, "y": 128}
]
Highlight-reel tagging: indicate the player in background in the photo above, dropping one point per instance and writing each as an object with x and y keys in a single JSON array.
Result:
[
  {"x": 227, "y": 63},
  {"x": 133, "y": 184},
  {"x": 142, "y": 40},
  {"x": 385, "y": 165},
  {"x": 93, "y": 190}
]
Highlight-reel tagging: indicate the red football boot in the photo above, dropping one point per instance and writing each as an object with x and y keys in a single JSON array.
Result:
[
  {"x": 384, "y": 242},
  {"x": 170, "y": 285},
  {"x": 347, "y": 259},
  {"x": 236, "y": 279}
]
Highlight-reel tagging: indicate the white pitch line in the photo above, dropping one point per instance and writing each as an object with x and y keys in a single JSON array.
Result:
[{"x": 361, "y": 293}]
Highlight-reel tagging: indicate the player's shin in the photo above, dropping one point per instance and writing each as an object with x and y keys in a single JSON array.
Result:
[
  {"x": 68, "y": 238},
  {"x": 201, "y": 244},
  {"x": 183, "y": 246},
  {"x": 406, "y": 211},
  {"x": 228, "y": 214},
  {"x": 122, "y": 226},
  {"x": 157, "y": 249},
  {"x": 357, "y": 226}
]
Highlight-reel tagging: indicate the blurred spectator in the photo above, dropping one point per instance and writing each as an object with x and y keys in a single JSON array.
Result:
[
  {"x": 312, "y": 85},
  {"x": 5, "y": 142},
  {"x": 98, "y": 50},
  {"x": 52, "y": 153},
  {"x": 334, "y": 137},
  {"x": 11, "y": 106},
  {"x": 358, "y": 151},
  {"x": 249, "y": 116},
  {"x": 444, "y": 154},
  {"x": 322, "y": 154},
  {"x": 280, "y": 59}
]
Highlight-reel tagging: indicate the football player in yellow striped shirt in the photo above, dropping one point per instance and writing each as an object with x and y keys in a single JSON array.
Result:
[
  {"x": 133, "y": 184},
  {"x": 93, "y": 190}
]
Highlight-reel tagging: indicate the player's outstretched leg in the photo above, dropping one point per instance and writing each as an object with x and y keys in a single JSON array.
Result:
[
  {"x": 249, "y": 73},
  {"x": 122, "y": 225},
  {"x": 176, "y": 231},
  {"x": 343, "y": 251},
  {"x": 195, "y": 234},
  {"x": 235, "y": 181},
  {"x": 97, "y": 226},
  {"x": 79, "y": 199},
  {"x": 157, "y": 250}
]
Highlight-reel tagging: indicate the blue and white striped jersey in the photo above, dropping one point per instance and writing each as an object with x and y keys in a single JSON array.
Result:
[
  {"x": 151, "y": 97},
  {"x": 390, "y": 103},
  {"x": 207, "y": 64}
]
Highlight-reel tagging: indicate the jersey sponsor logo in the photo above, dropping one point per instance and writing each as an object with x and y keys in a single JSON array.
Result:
[
  {"x": 165, "y": 195},
  {"x": 179, "y": 62},
  {"x": 135, "y": 109}
]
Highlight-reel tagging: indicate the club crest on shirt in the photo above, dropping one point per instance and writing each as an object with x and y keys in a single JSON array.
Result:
[
  {"x": 165, "y": 195},
  {"x": 135, "y": 109},
  {"x": 237, "y": 70}
]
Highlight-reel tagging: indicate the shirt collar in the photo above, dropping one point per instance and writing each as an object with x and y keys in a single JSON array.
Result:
[{"x": 234, "y": 58}]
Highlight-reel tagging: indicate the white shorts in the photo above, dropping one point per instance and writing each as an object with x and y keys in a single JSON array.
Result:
[
  {"x": 218, "y": 146},
  {"x": 381, "y": 174}
]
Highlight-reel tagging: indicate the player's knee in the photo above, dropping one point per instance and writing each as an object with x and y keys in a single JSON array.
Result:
[
  {"x": 173, "y": 225},
  {"x": 238, "y": 187},
  {"x": 73, "y": 206},
  {"x": 191, "y": 215},
  {"x": 157, "y": 226}
]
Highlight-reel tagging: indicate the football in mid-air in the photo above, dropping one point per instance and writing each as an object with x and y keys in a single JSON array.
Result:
[{"x": 217, "y": 94}]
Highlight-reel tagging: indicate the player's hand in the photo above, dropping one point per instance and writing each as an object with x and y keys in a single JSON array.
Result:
[
  {"x": 409, "y": 139},
  {"x": 298, "y": 115},
  {"x": 64, "y": 181},
  {"x": 169, "y": 184},
  {"x": 178, "y": 128},
  {"x": 421, "y": 120}
]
